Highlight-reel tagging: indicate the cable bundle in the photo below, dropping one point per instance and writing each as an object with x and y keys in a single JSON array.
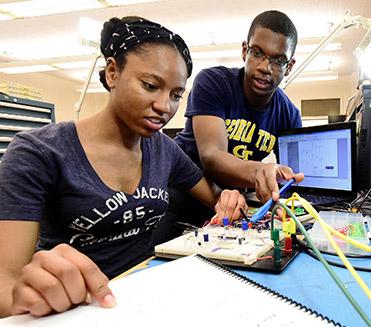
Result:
[{"x": 328, "y": 232}]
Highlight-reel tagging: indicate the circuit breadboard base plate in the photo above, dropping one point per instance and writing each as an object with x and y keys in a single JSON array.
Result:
[{"x": 230, "y": 246}]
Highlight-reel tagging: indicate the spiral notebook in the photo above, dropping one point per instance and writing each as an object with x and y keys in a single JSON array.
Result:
[{"x": 190, "y": 291}]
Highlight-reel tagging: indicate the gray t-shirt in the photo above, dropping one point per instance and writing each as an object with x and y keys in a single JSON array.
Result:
[{"x": 45, "y": 176}]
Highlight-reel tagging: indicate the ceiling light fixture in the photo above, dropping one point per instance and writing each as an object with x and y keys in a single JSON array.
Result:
[
  {"x": 27, "y": 69},
  {"x": 94, "y": 89},
  {"x": 346, "y": 22},
  {"x": 40, "y": 65},
  {"x": 317, "y": 76},
  {"x": 304, "y": 48},
  {"x": 35, "y": 8},
  {"x": 73, "y": 65},
  {"x": 216, "y": 54},
  {"x": 127, "y": 2},
  {"x": 23, "y": 9},
  {"x": 5, "y": 15},
  {"x": 89, "y": 32}
]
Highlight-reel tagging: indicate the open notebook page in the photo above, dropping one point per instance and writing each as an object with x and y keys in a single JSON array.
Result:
[{"x": 185, "y": 292}]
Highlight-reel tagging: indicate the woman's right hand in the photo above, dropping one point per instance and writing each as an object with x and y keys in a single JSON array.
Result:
[
  {"x": 57, "y": 279},
  {"x": 230, "y": 204}
]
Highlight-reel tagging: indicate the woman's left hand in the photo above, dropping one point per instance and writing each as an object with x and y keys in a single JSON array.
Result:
[{"x": 229, "y": 205}]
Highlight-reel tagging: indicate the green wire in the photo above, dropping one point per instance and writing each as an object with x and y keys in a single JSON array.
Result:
[{"x": 323, "y": 261}]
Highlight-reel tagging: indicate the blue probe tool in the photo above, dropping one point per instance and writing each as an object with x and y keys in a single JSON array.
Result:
[{"x": 264, "y": 209}]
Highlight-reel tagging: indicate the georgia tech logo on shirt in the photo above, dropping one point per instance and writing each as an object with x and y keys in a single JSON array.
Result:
[{"x": 243, "y": 131}]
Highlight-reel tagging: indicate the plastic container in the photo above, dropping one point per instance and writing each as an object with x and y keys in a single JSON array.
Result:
[{"x": 350, "y": 224}]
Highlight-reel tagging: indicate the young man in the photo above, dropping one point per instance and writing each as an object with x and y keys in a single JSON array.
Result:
[{"x": 233, "y": 116}]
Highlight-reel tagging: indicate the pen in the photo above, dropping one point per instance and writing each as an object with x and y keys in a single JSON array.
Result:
[{"x": 264, "y": 209}]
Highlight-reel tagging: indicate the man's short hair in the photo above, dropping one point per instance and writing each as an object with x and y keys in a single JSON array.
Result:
[{"x": 277, "y": 22}]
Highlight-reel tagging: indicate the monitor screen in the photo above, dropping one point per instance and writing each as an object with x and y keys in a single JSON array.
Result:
[{"x": 325, "y": 157}]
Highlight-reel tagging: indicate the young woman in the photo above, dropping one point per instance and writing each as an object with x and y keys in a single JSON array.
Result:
[{"x": 88, "y": 194}]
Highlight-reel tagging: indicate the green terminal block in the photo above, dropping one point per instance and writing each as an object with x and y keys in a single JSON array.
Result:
[{"x": 277, "y": 247}]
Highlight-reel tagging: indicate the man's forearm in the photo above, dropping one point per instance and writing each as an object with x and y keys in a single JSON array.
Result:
[{"x": 226, "y": 169}]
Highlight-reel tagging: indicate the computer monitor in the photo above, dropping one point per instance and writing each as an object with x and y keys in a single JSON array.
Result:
[{"x": 326, "y": 154}]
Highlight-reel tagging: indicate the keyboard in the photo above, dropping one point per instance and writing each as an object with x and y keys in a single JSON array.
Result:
[{"x": 317, "y": 199}]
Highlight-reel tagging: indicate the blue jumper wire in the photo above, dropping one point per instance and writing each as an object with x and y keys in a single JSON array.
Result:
[{"x": 264, "y": 209}]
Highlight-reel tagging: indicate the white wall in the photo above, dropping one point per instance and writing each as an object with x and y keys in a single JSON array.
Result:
[
  {"x": 63, "y": 93},
  {"x": 342, "y": 88}
]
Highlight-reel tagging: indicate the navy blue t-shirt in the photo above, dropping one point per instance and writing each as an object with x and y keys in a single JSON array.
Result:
[
  {"x": 46, "y": 177},
  {"x": 218, "y": 91}
]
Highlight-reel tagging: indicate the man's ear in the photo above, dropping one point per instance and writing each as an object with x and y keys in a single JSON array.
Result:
[
  {"x": 290, "y": 65},
  {"x": 244, "y": 50},
  {"x": 111, "y": 72}
]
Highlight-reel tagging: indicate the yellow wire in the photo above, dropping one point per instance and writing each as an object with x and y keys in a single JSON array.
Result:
[
  {"x": 292, "y": 208},
  {"x": 313, "y": 213},
  {"x": 327, "y": 229},
  {"x": 350, "y": 240}
]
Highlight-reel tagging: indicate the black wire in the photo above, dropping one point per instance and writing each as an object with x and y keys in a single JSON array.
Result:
[
  {"x": 304, "y": 246},
  {"x": 340, "y": 206},
  {"x": 349, "y": 255},
  {"x": 358, "y": 198},
  {"x": 364, "y": 199},
  {"x": 336, "y": 264},
  {"x": 365, "y": 211},
  {"x": 185, "y": 226},
  {"x": 332, "y": 208},
  {"x": 345, "y": 206}
]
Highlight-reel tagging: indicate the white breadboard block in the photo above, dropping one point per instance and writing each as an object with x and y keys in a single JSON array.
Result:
[{"x": 224, "y": 243}]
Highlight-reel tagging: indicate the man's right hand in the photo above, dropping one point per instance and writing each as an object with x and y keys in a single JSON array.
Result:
[
  {"x": 57, "y": 279},
  {"x": 267, "y": 177}
]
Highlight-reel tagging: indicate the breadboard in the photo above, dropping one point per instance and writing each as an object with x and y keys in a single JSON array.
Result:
[{"x": 227, "y": 244}]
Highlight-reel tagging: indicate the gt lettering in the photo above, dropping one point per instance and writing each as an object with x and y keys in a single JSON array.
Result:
[{"x": 240, "y": 151}]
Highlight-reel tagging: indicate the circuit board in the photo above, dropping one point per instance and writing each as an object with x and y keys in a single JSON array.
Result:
[{"x": 230, "y": 245}]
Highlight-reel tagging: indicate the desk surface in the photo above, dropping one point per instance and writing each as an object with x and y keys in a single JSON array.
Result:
[{"x": 306, "y": 281}]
